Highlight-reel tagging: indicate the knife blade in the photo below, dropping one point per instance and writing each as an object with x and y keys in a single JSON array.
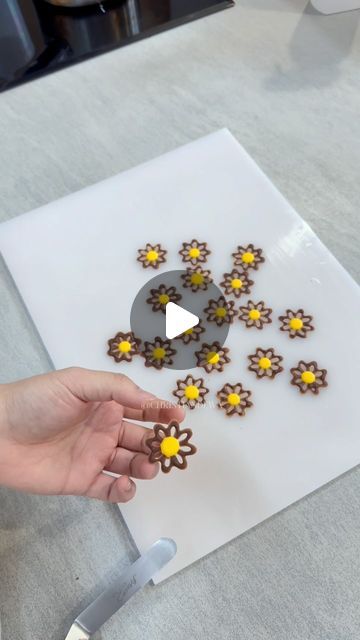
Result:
[{"x": 131, "y": 580}]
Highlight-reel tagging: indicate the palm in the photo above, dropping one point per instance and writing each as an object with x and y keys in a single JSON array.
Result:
[{"x": 66, "y": 442}]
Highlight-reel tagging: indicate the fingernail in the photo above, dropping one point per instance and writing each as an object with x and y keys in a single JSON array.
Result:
[{"x": 129, "y": 486}]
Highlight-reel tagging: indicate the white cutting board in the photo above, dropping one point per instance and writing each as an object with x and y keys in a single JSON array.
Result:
[{"x": 74, "y": 262}]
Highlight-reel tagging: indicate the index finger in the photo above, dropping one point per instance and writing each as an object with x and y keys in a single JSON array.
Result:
[{"x": 156, "y": 410}]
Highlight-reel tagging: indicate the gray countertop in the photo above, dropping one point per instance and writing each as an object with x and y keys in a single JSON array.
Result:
[{"x": 286, "y": 82}]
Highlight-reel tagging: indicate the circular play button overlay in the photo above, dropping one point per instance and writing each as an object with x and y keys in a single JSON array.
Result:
[{"x": 174, "y": 314}]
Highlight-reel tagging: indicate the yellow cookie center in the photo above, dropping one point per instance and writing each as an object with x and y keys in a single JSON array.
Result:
[
  {"x": 124, "y": 346},
  {"x": 169, "y": 446},
  {"x": 236, "y": 283},
  {"x": 248, "y": 257},
  {"x": 196, "y": 278},
  {"x": 191, "y": 392},
  {"x": 152, "y": 256},
  {"x": 233, "y": 399},
  {"x": 296, "y": 324},
  {"x": 264, "y": 363},
  {"x": 308, "y": 377},
  {"x": 212, "y": 357},
  {"x": 220, "y": 312},
  {"x": 188, "y": 332},
  {"x": 159, "y": 353},
  {"x": 194, "y": 252},
  {"x": 254, "y": 314},
  {"x": 164, "y": 298}
]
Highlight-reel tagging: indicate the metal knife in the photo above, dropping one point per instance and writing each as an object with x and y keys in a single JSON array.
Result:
[{"x": 134, "y": 578}]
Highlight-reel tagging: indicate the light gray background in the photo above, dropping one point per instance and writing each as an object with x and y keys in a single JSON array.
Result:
[{"x": 286, "y": 82}]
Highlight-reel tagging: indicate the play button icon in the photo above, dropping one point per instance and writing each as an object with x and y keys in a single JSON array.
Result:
[
  {"x": 165, "y": 310},
  {"x": 178, "y": 320}
]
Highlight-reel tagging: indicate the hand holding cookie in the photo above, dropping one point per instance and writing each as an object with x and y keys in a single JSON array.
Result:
[{"x": 61, "y": 431}]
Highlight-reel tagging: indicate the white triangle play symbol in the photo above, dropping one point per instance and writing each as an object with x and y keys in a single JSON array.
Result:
[{"x": 178, "y": 320}]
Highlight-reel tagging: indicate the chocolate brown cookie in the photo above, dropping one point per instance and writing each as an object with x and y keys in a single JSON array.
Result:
[
  {"x": 160, "y": 297},
  {"x": 296, "y": 323},
  {"x": 307, "y": 376},
  {"x": 236, "y": 283},
  {"x": 220, "y": 311},
  {"x": 152, "y": 256},
  {"x": 196, "y": 279},
  {"x": 191, "y": 392},
  {"x": 248, "y": 257},
  {"x": 193, "y": 334},
  {"x": 123, "y": 346},
  {"x": 170, "y": 446},
  {"x": 233, "y": 399},
  {"x": 194, "y": 252},
  {"x": 255, "y": 314},
  {"x": 265, "y": 363},
  {"x": 212, "y": 357},
  {"x": 158, "y": 353}
]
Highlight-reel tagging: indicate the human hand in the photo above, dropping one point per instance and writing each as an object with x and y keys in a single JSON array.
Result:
[{"x": 61, "y": 430}]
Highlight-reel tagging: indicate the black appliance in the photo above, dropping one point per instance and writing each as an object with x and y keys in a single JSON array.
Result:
[{"x": 37, "y": 37}]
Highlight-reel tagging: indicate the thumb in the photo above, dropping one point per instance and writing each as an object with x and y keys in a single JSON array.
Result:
[{"x": 103, "y": 386}]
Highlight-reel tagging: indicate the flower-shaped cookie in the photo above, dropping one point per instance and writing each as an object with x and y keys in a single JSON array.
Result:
[
  {"x": 212, "y": 357},
  {"x": 308, "y": 377},
  {"x": 191, "y": 391},
  {"x": 248, "y": 257},
  {"x": 236, "y": 283},
  {"x": 296, "y": 323},
  {"x": 170, "y": 446},
  {"x": 152, "y": 256},
  {"x": 255, "y": 314},
  {"x": 193, "y": 334},
  {"x": 158, "y": 353},
  {"x": 161, "y": 296},
  {"x": 123, "y": 346},
  {"x": 234, "y": 399},
  {"x": 196, "y": 279},
  {"x": 220, "y": 311},
  {"x": 265, "y": 363},
  {"x": 194, "y": 252}
]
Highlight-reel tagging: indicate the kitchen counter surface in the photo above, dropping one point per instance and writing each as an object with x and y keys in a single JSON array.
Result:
[{"x": 286, "y": 82}]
